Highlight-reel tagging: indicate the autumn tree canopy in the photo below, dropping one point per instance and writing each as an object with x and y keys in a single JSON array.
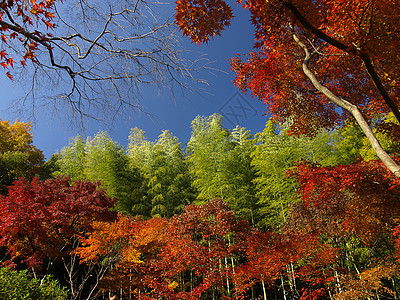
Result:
[
  {"x": 41, "y": 219},
  {"x": 18, "y": 156},
  {"x": 316, "y": 62},
  {"x": 88, "y": 57}
]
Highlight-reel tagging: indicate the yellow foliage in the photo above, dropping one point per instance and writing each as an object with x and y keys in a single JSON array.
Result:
[
  {"x": 19, "y": 157},
  {"x": 130, "y": 255},
  {"x": 15, "y": 137},
  {"x": 173, "y": 285}
]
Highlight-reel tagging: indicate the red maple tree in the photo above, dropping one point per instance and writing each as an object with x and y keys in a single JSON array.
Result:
[{"x": 42, "y": 219}]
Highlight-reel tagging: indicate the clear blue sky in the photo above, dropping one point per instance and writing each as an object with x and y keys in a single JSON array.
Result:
[{"x": 50, "y": 135}]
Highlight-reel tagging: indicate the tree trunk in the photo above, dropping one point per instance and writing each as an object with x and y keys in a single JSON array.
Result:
[
  {"x": 283, "y": 287},
  {"x": 264, "y": 291},
  {"x": 353, "y": 109}
]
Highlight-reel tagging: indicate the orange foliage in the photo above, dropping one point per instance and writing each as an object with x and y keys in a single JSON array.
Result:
[
  {"x": 131, "y": 245},
  {"x": 202, "y": 19},
  {"x": 152, "y": 257},
  {"x": 367, "y": 284}
]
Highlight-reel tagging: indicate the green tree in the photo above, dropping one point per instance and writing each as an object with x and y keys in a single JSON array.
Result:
[
  {"x": 71, "y": 159},
  {"x": 207, "y": 151},
  {"x": 167, "y": 182},
  {"x": 104, "y": 161},
  {"x": 387, "y": 131},
  {"x": 170, "y": 177},
  {"x": 139, "y": 154},
  {"x": 349, "y": 142},
  {"x": 239, "y": 174},
  {"x": 220, "y": 162},
  {"x": 17, "y": 286},
  {"x": 107, "y": 162},
  {"x": 101, "y": 159},
  {"x": 352, "y": 145},
  {"x": 276, "y": 152}
]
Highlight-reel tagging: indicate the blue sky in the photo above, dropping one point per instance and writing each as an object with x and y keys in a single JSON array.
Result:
[{"x": 162, "y": 111}]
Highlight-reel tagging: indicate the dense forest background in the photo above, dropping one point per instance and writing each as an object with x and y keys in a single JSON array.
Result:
[{"x": 229, "y": 216}]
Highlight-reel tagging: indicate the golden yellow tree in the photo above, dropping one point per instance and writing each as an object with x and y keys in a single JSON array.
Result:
[{"x": 18, "y": 156}]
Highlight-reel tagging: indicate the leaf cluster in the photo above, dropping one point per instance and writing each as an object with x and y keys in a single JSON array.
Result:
[{"x": 17, "y": 286}]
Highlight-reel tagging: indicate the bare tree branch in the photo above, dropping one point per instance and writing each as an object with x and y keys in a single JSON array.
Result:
[{"x": 99, "y": 57}]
